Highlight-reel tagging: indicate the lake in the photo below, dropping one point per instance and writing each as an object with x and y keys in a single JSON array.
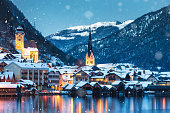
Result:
[{"x": 67, "y": 104}]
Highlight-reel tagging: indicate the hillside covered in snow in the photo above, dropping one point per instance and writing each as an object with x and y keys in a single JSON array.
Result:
[
  {"x": 145, "y": 42},
  {"x": 10, "y": 18},
  {"x": 77, "y": 35}
]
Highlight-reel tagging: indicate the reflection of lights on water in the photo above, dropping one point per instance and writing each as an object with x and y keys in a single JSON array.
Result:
[
  {"x": 71, "y": 105},
  {"x": 163, "y": 103},
  {"x": 106, "y": 105},
  {"x": 155, "y": 103},
  {"x": 100, "y": 106},
  {"x": 78, "y": 109},
  {"x": 131, "y": 104}
]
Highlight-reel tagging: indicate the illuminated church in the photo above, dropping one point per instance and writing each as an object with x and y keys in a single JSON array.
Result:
[
  {"x": 28, "y": 49},
  {"x": 90, "y": 60}
]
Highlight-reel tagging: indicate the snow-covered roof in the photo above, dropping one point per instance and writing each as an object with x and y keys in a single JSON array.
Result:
[
  {"x": 28, "y": 65},
  {"x": 81, "y": 83},
  {"x": 108, "y": 86},
  {"x": 121, "y": 74},
  {"x": 131, "y": 87},
  {"x": 26, "y": 82},
  {"x": 66, "y": 78},
  {"x": 62, "y": 71},
  {"x": 7, "y": 61},
  {"x": 116, "y": 82},
  {"x": 93, "y": 83},
  {"x": 9, "y": 56},
  {"x": 8, "y": 85},
  {"x": 131, "y": 83},
  {"x": 70, "y": 86},
  {"x": 145, "y": 83},
  {"x": 97, "y": 76},
  {"x": 19, "y": 28},
  {"x": 108, "y": 65},
  {"x": 165, "y": 73},
  {"x": 144, "y": 76},
  {"x": 64, "y": 86},
  {"x": 86, "y": 68}
]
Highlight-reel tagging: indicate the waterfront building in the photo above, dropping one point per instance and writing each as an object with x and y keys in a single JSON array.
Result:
[
  {"x": 37, "y": 72},
  {"x": 81, "y": 76},
  {"x": 67, "y": 73},
  {"x": 8, "y": 87},
  {"x": 54, "y": 79}
]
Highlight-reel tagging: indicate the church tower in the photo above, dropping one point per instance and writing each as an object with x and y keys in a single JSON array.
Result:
[
  {"x": 90, "y": 60},
  {"x": 19, "y": 39}
]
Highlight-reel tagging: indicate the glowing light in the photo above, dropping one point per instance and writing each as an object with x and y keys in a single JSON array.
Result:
[
  {"x": 100, "y": 106},
  {"x": 78, "y": 109},
  {"x": 163, "y": 103},
  {"x": 155, "y": 103}
]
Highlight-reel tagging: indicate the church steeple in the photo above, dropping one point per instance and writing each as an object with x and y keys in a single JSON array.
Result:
[
  {"x": 90, "y": 60},
  {"x": 89, "y": 43}
]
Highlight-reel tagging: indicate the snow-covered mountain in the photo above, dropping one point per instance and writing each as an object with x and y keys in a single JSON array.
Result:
[
  {"x": 145, "y": 42},
  {"x": 77, "y": 35}
]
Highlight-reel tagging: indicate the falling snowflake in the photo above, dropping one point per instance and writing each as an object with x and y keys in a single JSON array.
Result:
[
  {"x": 158, "y": 55},
  {"x": 120, "y": 4},
  {"x": 67, "y": 7},
  {"x": 6, "y": 21},
  {"x": 88, "y": 14}
]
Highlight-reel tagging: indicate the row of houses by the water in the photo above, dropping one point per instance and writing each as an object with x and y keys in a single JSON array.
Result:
[{"x": 26, "y": 73}]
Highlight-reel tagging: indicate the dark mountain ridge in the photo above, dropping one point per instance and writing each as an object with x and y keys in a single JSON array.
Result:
[
  {"x": 144, "y": 42},
  {"x": 10, "y": 18}
]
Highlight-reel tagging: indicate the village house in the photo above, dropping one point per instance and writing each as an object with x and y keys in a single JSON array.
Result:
[
  {"x": 114, "y": 76},
  {"x": 37, "y": 72},
  {"x": 12, "y": 89},
  {"x": 98, "y": 76},
  {"x": 66, "y": 75},
  {"x": 81, "y": 76},
  {"x": 54, "y": 79}
]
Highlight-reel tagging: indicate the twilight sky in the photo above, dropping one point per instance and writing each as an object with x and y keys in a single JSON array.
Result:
[{"x": 51, "y": 16}]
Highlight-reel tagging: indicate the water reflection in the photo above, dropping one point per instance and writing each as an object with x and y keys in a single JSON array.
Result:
[{"x": 67, "y": 104}]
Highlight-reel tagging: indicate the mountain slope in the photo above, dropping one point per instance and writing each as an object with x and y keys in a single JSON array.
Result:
[
  {"x": 144, "y": 42},
  {"x": 73, "y": 36},
  {"x": 10, "y": 18}
]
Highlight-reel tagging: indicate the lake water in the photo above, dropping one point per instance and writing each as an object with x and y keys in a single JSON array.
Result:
[{"x": 67, "y": 104}]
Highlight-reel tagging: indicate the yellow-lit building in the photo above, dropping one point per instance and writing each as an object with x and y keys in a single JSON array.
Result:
[
  {"x": 28, "y": 49},
  {"x": 90, "y": 59},
  {"x": 19, "y": 38}
]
